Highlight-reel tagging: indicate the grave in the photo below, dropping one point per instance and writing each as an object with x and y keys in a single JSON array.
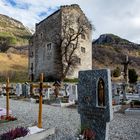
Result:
[
  {"x": 41, "y": 85},
  {"x": 73, "y": 96},
  {"x": 18, "y": 89},
  {"x": 47, "y": 94},
  {"x": 3, "y": 112},
  {"x": 25, "y": 89},
  {"x": 114, "y": 90},
  {"x": 132, "y": 111},
  {"x": 138, "y": 90},
  {"x": 95, "y": 102}
]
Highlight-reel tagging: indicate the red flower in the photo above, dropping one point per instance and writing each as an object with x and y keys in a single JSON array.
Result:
[{"x": 89, "y": 134}]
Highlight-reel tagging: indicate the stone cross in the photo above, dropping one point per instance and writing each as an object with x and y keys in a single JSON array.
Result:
[
  {"x": 7, "y": 88},
  {"x": 125, "y": 64},
  {"x": 95, "y": 102},
  {"x": 40, "y": 86}
]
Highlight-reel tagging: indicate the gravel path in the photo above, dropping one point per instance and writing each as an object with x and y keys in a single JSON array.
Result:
[{"x": 67, "y": 121}]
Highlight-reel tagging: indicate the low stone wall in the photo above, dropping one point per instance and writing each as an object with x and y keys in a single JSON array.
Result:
[{"x": 132, "y": 111}]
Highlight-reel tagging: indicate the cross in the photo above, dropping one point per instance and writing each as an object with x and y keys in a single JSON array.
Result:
[
  {"x": 40, "y": 86},
  {"x": 126, "y": 63},
  {"x": 7, "y": 88},
  {"x": 56, "y": 90}
]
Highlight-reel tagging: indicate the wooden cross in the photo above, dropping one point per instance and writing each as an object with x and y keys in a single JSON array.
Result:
[
  {"x": 40, "y": 86},
  {"x": 7, "y": 88}
]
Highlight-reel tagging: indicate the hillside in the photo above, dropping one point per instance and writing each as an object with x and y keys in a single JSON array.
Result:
[
  {"x": 109, "y": 51},
  {"x": 13, "y": 65},
  {"x": 12, "y": 33}
]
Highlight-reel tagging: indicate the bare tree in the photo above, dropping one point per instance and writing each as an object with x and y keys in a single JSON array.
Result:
[{"x": 72, "y": 28}]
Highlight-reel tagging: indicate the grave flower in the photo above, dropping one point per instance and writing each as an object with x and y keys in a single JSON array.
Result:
[
  {"x": 15, "y": 133},
  {"x": 89, "y": 134}
]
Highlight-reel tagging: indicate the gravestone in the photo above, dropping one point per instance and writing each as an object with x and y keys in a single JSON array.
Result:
[
  {"x": 114, "y": 89},
  {"x": 95, "y": 102},
  {"x": 47, "y": 93},
  {"x": 115, "y": 94},
  {"x": 138, "y": 89},
  {"x": 25, "y": 89},
  {"x": 73, "y": 94},
  {"x": 65, "y": 89},
  {"x": 3, "y": 89},
  {"x": 18, "y": 89}
]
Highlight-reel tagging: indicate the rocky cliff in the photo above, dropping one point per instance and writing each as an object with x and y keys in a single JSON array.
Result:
[{"x": 12, "y": 33}]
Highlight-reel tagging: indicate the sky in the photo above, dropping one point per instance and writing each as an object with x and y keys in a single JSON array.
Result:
[{"x": 119, "y": 17}]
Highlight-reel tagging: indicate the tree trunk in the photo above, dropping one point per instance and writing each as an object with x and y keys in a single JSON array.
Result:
[{"x": 65, "y": 73}]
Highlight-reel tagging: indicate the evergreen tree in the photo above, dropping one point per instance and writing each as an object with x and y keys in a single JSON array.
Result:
[
  {"x": 116, "y": 72},
  {"x": 132, "y": 76}
]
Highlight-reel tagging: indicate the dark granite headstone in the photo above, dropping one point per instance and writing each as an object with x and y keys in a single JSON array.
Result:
[
  {"x": 25, "y": 89},
  {"x": 95, "y": 101}
]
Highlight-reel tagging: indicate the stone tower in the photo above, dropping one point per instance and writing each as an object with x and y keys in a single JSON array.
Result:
[{"x": 44, "y": 54}]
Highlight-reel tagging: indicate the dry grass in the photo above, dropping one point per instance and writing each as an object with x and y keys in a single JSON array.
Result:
[
  {"x": 13, "y": 62},
  {"x": 14, "y": 66}
]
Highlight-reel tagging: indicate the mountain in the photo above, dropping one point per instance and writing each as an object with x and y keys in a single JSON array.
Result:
[
  {"x": 14, "y": 37},
  {"x": 109, "y": 51},
  {"x": 12, "y": 33}
]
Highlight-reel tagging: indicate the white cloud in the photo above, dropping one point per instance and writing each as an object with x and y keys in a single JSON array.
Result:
[{"x": 120, "y": 17}]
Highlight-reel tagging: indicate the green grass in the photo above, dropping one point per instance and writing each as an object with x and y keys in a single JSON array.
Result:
[
  {"x": 5, "y": 34},
  {"x": 75, "y": 80}
]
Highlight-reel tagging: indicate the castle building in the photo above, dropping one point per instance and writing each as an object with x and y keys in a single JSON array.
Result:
[{"x": 59, "y": 30}]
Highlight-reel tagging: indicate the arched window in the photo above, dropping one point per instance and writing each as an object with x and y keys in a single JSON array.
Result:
[{"x": 101, "y": 93}]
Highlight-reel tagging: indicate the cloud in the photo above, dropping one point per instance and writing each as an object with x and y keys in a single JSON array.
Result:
[
  {"x": 16, "y": 4},
  {"x": 121, "y": 17}
]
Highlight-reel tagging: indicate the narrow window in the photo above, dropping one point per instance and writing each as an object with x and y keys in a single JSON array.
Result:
[
  {"x": 49, "y": 46},
  {"x": 83, "y": 36},
  {"x": 31, "y": 67},
  {"x": 79, "y": 60},
  {"x": 31, "y": 54},
  {"x": 83, "y": 50},
  {"x": 41, "y": 35},
  {"x": 32, "y": 75},
  {"x": 71, "y": 31}
]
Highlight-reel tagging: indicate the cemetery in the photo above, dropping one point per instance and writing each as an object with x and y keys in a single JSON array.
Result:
[
  {"x": 85, "y": 110},
  {"x": 45, "y": 107}
]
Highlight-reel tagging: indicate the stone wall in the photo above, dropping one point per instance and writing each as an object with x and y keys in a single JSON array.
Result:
[
  {"x": 49, "y": 61},
  {"x": 44, "y": 57},
  {"x": 86, "y": 57}
]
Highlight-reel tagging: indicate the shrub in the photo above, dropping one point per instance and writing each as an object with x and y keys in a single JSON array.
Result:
[
  {"x": 117, "y": 72},
  {"x": 51, "y": 78},
  {"x": 136, "y": 102},
  {"x": 132, "y": 76},
  {"x": 14, "y": 76},
  {"x": 15, "y": 133},
  {"x": 75, "y": 80}
]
